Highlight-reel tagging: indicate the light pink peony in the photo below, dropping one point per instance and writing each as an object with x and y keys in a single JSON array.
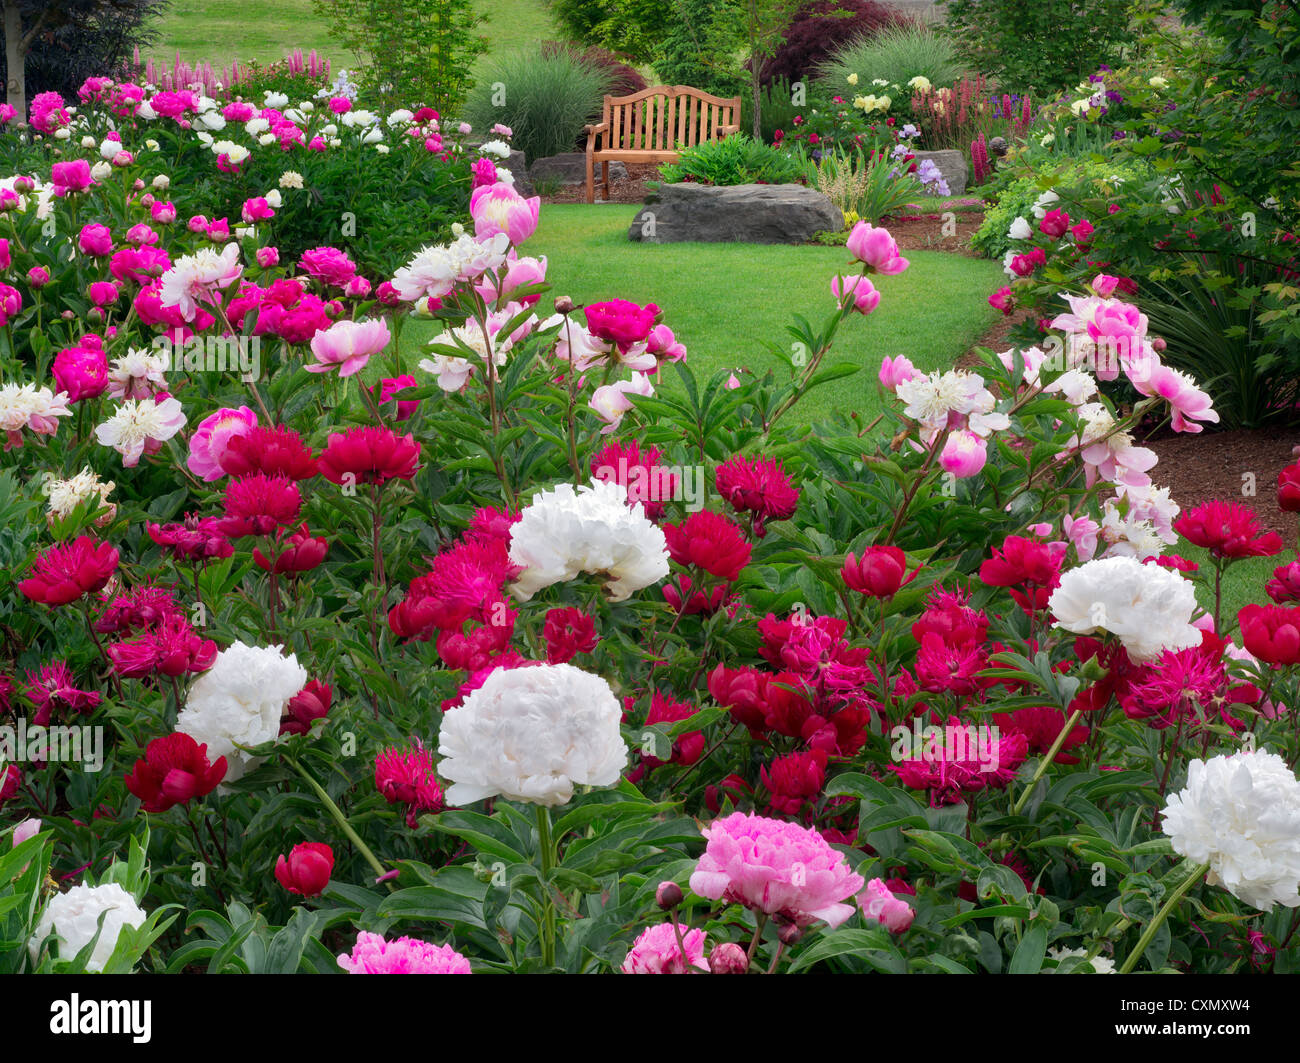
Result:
[
  {"x": 656, "y": 951},
  {"x": 876, "y": 248},
  {"x": 373, "y": 955},
  {"x": 964, "y": 454},
  {"x": 347, "y": 346},
  {"x": 775, "y": 867},
  {"x": 888, "y": 909},
  {"x": 499, "y": 208},
  {"x": 29, "y": 828},
  {"x": 1188, "y": 403},
  {"x": 612, "y": 401},
  {"x": 213, "y": 436}
]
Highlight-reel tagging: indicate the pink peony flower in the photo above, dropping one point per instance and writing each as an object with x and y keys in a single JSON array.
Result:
[
  {"x": 1188, "y": 403},
  {"x": 964, "y": 454},
  {"x": 95, "y": 240},
  {"x": 213, "y": 436},
  {"x": 82, "y": 372},
  {"x": 498, "y": 208},
  {"x": 895, "y": 371},
  {"x": 888, "y": 909},
  {"x": 876, "y": 248},
  {"x": 775, "y": 867},
  {"x": 656, "y": 951},
  {"x": 347, "y": 346},
  {"x": 865, "y": 296},
  {"x": 373, "y": 955},
  {"x": 329, "y": 265}
]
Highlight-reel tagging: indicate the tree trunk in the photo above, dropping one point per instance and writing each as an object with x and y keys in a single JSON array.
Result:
[
  {"x": 755, "y": 70},
  {"x": 16, "y": 87}
]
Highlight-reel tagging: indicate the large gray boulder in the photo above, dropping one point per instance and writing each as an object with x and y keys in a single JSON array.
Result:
[
  {"x": 570, "y": 168},
  {"x": 951, "y": 163},
  {"x": 746, "y": 214}
]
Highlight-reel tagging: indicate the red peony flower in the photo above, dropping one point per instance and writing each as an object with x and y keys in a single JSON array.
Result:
[
  {"x": 948, "y": 616},
  {"x": 171, "y": 648},
  {"x": 66, "y": 571},
  {"x": 310, "y": 704},
  {"x": 54, "y": 685},
  {"x": 1285, "y": 584},
  {"x": 258, "y": 504},
  {"x": 306, "y": 870},
  {"x": 568, "y": 632},
  {"x": 138, "y": 609},
  {"x": 370, "y": 455},
  {"x": 639, "y": 471},
  {"x": 1271, "y": 632},
  {"x": 277, "y": 451},
  {"x": 196, "y": 539},
  {"x": 1227, "y": 529},
  {"x": 1288, "y": 489},
  {"x": 687, "y": 748},
  {"x": 794, "y": 779},
  {"x": 302, "y": 553},
  {"x": 1041, "y": 725},
  {"x": 709, "y": 541},
  {"x": 1025, "y": 563},
  {"x": 174, "y": 771},
  {"x": 878, "y": 573},
  {"x": 759, "y": 486},
  {"x": 406, "y": 777},
  {"x": 677, "y": 593}
]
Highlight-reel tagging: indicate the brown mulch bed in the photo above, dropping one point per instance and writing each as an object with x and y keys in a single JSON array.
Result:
[
  {"x": 1199, "y": 468},
  {"x": 924, "y": 232}
]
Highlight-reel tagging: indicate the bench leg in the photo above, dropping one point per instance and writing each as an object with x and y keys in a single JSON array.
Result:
[
  {"x": 591, "y": 181},
  {"x": 604, "y": 179}
]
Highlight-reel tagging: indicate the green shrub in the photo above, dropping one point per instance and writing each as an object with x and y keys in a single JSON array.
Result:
[
  {"x": 777, "y": 109},
  {"x": 864, "y": 188},
  {"x": 1047, "y": 44},
  {"x": 1071, "y": 178},
  {"x": 897, "y": 55},
  {"x": 545, "y": 100},
  {"x": 736, "y": 160},
  {"x": 631, "y": 27}
]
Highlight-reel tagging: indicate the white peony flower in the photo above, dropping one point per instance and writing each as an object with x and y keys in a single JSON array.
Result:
[
  {"x": 274, "y": 199},
  {"x": 1148, "y": 608},
  {"x": 291, "y": 179},
  {"x": 1020, "y": 230},
  {"x": 66, "y": 495},
  {"x": 1044, "y": 203},
  {"x": 240, "y": 700},
  {"x": 1100, "y": 964},
  {"x": 101, "y": 171},
  {"x": 565, "y": 532},
  {"x": 140, "y": 426},
  {"x": 933, "y": 400},
  {"x": 73, "y": 918},
  {"x": 1240, "y": 814},
  {"x": 499, "y": 148},
  {"x": 162, "y": 182},
  {"x": 255, "y": 127},
  {"x": 532, "y": 734},
  {"x": 275, "y": 100}
]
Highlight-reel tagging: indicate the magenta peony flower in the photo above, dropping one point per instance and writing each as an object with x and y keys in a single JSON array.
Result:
[
  {"x": 82, "y": 372},
  {"x": 774, "y": 867},
  {"x": 373, "y": 955},
  {"x": 759, "y": 486},
  {"x": 328, "y": 265},
  {"x": 875, "y": 247},
  {"x": 656, "y": 951}
]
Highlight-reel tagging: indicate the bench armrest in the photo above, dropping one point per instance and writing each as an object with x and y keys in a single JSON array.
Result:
[
  {"x": 728, "y": 130},
  {"x": 593, "y": 131}
]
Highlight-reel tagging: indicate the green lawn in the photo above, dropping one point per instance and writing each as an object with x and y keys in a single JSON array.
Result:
[
  {"x": 722, "y": 300},
  {"x": 220, "y": 31}
]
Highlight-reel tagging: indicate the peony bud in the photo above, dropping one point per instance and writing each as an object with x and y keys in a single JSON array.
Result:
[
  {"x": 728, "y": 958},
  {"x": 668, "y": 896}
]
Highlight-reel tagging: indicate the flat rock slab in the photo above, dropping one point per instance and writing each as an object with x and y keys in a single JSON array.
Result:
[
  {"x": 951, "y": 163},
  {"x": 570, "y": 168},
  {"x": 746, "y": 214}
]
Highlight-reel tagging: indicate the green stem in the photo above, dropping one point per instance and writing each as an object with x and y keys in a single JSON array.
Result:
[
  {"x": 1197, "y": 873},
  {"x": 342, "y": 821},
  {"x": 1047, "y": 759},
  {"x": 546, "y": 844}
]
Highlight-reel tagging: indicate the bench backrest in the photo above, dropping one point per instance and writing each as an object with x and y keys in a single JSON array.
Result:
[{"x": 663, "y": 117}]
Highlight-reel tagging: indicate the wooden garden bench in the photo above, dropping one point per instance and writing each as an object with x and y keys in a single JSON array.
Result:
[{"x": 650, "y": 126}]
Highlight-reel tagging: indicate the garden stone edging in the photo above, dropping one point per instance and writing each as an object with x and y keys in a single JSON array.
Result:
[
  {"x": 951, "y": 163},
  {"x": 570, "y": 168},
  {"x": 753, "y": 214}
]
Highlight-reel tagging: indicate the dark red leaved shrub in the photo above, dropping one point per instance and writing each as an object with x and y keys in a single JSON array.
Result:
[
  {"x": 626, "y": 79},
  {"x": 814, "y": 34}
]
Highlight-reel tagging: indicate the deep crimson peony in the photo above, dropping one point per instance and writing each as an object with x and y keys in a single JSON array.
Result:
[
  {"x": 1041, "y": 725},
  {"x": 687, "y": 748},
  {"x": 174, "y": 771},
  {"x": 1288, "y": 489},
  {"x": 948, "y": 616},
  {"x": 306, "y": 870},
  {"x": 405, "y": 776},
  {"x": 310, "y": 704},
  {"x": 1271, "y": 632},
  {"x": 759, "y": 486},
  {"x": 301, "y": 553},
  {"x": 794, "y": 779},
  {"x": 171, "y": 648},
  {"x": 711, "y": 542},
  {"x": 1285, "y": 584},
  {"x": 1025, "y": 564},
  {"x": 66, "y": 571},
  {"x": 878, "y": 573},
  {"x": 258, "y": 504},
  {"x": 277, "y": 451},
  {"x": 1227, "y": 529},
  {"x": 370, "y": 454},
  {"x": 639, "y": 470},
  {"x": 568, "y": 632},
  {"x": 142, "y": 607},
  {"x": 195, "y": 539}
]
